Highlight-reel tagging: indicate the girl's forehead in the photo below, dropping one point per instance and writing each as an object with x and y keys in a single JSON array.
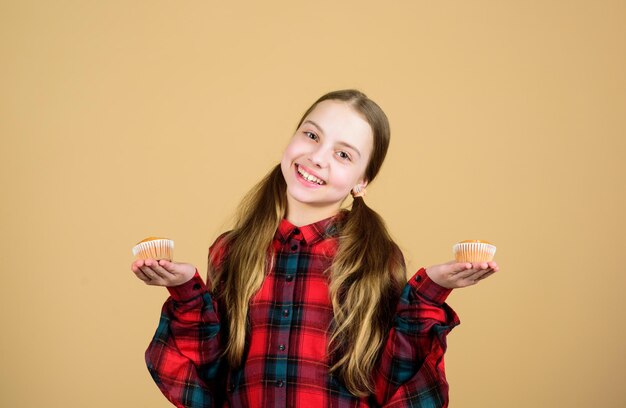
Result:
[{"x": 339, "y": 119}]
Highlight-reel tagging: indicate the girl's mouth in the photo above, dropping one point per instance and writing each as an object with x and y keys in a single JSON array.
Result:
[{"x": 309, "y": 177}]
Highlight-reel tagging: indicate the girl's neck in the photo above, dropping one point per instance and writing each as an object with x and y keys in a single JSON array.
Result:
[{"x": 300, "y": 214}]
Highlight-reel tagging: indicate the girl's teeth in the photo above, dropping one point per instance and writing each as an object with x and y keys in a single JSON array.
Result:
[{"x": 309, "y": 177}]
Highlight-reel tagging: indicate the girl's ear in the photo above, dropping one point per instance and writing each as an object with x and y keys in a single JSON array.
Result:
[{"x": 359, "y": 189}]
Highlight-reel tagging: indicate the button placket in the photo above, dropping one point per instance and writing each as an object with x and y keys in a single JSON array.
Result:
[{"x": 285, "y": 312}]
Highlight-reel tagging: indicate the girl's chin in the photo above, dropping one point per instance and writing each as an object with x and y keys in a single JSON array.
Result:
[{"x": 314, "y": 198}]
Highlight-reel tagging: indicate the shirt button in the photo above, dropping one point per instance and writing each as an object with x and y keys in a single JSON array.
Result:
[
  {"x": 281, "y": 347},
  {"x": 294, "y": 247},
  {"x": 196, "y": 286},
  {"x": 418, "y": 278},
  {"x": 289, "y": 278},
  {"x": 296, "y": 231},
  {"x": 286, "y": 312},
  {"x": 280, "y": 383}
]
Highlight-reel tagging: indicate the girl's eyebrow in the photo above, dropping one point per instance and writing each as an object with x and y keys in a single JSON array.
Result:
[{"x": 348, "y": 145}]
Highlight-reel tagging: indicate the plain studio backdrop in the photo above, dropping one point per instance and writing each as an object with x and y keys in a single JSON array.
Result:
[{"x": 121, "y": 120}]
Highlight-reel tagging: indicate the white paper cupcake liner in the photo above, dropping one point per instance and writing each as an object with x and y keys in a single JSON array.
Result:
[
  {"x": 155, "y": 249},
  {"x": 473, "y": 252}
]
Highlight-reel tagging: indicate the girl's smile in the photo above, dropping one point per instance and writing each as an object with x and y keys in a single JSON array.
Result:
[{"x": 308, "y": 177}]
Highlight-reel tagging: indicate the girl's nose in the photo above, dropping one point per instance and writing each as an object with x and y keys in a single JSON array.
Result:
[{"x": 318, "y": 159}]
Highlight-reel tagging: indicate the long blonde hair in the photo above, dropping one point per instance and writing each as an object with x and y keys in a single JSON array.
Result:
[{"x": 366, "y": 275}]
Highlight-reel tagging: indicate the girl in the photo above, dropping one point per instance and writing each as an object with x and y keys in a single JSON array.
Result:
[{"x": 307, "y": 304}]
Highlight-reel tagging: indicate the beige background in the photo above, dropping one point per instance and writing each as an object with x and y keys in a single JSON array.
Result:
[{"x": 122, "y": 119}]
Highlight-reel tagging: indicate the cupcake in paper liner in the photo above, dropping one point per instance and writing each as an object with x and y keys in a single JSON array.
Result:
[
  {"x": 154, "y": 248},
  {"x": 474, "y": 251}
]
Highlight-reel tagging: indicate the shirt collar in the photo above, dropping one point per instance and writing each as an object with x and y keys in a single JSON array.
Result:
[{"x": 312, "y": 233}]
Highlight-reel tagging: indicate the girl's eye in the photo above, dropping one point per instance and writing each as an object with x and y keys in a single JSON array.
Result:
[
  {"x": 311, "y": 135},
  {"x": 343, "y": 155}
]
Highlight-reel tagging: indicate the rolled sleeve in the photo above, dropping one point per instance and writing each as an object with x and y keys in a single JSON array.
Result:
[
  {"x": 189, "y": 290},
  {"x": 428, "y": 289}
]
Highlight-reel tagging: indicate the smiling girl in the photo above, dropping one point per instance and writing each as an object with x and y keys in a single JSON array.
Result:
[{"x": 308, "y": 304}]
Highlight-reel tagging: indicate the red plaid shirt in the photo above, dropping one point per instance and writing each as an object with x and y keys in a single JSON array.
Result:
[{"x": 286, "y": 362}]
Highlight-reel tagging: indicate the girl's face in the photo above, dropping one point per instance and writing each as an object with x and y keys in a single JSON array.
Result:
[{"x": 326, "y": 157}]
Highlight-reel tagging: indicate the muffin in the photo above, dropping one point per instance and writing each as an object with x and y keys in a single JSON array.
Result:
[
  {"x": 473, "y": 250},
  {"x": 154, "y": 248}
]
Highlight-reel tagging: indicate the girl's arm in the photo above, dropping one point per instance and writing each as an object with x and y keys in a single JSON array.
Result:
[
  {"x": 411, "y": 371},
  {"x": 184, "y": 354}
]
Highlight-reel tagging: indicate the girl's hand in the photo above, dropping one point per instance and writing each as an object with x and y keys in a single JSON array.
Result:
[
  {"x": 162, "y": 273},
  {"x": 461, "y": 274}
]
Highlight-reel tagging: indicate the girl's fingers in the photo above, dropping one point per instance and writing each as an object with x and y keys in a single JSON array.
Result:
[
  {"x": 160, "y": 271},
  {"x": 480, "y": 265},
  {"x": 154, "y": 272},
  {"x": 168, "y": 266},
  {"x": 471, "y": 275},
  {"x": 155, "y": 268},
  {"x": 142, "y": 276},
  {"x": 488, "y": 275},
  {"x": 478, "y": 276},
  {"x": 150, "y": 273},
  {"x": 460, "y": 267},
  {"x": 484, "y": 276},
  {"x": 467, "y": 274},
  {"x": 136, "y": 265}
]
